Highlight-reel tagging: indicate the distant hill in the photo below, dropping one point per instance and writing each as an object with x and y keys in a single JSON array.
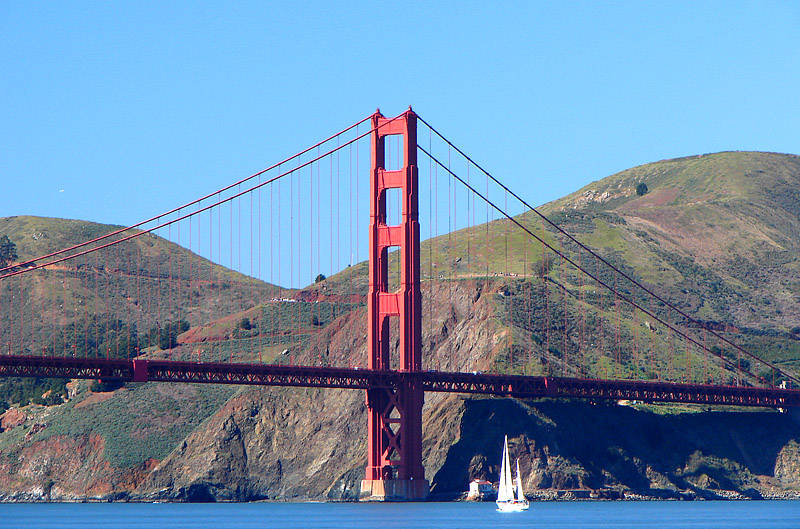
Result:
[
  {"x": 717, "y": 234},
  {"x": 736, "y": 215},
  {"x": 114, "y": 302},
  {"x": 115, "y": 274}
]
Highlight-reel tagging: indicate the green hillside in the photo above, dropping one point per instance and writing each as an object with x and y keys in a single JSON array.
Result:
[
  {"x": 124, "y": 289},
  {"x": 119, "y": 302},
  {"x": 716, "y": 234}
]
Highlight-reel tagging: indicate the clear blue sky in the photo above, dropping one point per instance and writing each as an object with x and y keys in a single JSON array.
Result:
[{"x": 133, "y": 107}]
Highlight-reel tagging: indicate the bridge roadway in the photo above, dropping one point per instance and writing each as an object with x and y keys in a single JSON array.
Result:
[{"x": 143, "y": 370}]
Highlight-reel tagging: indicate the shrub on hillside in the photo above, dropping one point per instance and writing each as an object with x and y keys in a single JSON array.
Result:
[
  {"x": 641, "y": 189},
  {"x": 103, "y": 386},
  {"x": 50, "y": 398},
  {"x": 23, "y": 391},
  {"x": 168, "y": 335},
  {"x": 8, "y": 251}
]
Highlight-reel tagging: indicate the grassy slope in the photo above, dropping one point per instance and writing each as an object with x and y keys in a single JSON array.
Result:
[
  {"x": 717, "y": 234},
  {"x": 136, "y": 423},
  {"x": 146, "y": 267}
]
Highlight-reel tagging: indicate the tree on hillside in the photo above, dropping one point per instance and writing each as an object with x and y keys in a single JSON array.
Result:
[
  {"x": 103, "y": 386},
  {"x": 641, "y": 188},
  {"x": 166, "y": 337},
  {"x": 320, "y": 277},
  {"x": 8, "y": 251}
]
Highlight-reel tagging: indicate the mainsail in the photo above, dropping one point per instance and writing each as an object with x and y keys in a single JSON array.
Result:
[{"x": 505, "y": 491}]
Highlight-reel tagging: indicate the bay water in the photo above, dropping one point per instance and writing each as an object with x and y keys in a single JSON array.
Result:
[{"x": 549, "y": 515}]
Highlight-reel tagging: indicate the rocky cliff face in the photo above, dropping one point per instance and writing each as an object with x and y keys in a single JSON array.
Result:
[
  {"x": 249, "y": 450},
  {"x": 614, "y": 451},
  {"x": 308, "y": 443},
  {"x": 65, "y": 468},
  {"x": 295, "y": 443}
]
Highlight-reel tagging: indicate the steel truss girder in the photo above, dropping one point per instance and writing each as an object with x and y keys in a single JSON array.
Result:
[
  {"x": 647, "y": 391},
  {"x": 143, "y": 370}
]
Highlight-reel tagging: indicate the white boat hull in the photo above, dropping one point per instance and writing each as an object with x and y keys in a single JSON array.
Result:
[{"x": 512, "y": 506}]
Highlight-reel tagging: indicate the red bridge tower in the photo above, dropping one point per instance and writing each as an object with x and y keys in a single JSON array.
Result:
[{"x": 394, "y": 451}]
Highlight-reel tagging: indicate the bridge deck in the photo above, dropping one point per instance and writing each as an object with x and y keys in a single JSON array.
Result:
[{"x": 143, "y": 370}]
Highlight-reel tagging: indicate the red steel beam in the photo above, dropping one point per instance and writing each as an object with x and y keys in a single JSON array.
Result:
[
  {"x": 144, "y": 370},
  {"x": 647, "y": 391},
  {"x": 141, "y": 370}
]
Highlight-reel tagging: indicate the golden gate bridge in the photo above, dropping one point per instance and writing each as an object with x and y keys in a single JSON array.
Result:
[{"x": 304, "y": 246}]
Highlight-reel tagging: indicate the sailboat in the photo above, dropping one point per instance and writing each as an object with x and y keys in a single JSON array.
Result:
[{"x": 510, "y": 497}]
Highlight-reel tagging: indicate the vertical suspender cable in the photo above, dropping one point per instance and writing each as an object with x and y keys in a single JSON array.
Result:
[
  {"x": 469, "y": 225},
  {"x": 272, "y": 305},
  {"x": 545, "y": 271},
  {"x": 138, "y": 298},
  {"x": 440, "y": 360},
  {"x": 293, "y": 322},
  {"x": 279, "y": 220},
  {"x": 319, "y": 239},
  {"x": 581, "y": 311},
  {"x": 211, "y": 260},
  {"x": 169, "y": 288},
  {"x": 636, "y": 331},
  {"x": 260, "y": 311},
  {"x": 350, "y": 219},
  {"x": 526, "y": 304},
  {"x": 253, "y": 287},
  {"x": 358, "y": 202},
  {"x": 487, "y": 232},
  {"x": 430, "y": 244},
  {"x": 330, "y": 223},
  {"x": 565, "y": 356},
  {"x": 617, "y": 308},
  {"x": 449, "y": 251}
]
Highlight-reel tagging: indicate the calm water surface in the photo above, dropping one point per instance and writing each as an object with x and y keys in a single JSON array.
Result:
[{"x": 616, "y": 515}]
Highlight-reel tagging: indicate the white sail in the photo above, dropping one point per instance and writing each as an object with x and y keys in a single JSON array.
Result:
[
  {"x": 505, "y": 491},
  {"x": 506, "y": 500}
]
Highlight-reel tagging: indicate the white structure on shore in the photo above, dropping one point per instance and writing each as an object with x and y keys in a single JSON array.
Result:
[{"x": 480, "y": 490}]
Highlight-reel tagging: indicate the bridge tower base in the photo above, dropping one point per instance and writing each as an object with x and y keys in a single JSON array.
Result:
[
  {"x": 394, "y": 490},
  {"x": 394, "y": 440}
]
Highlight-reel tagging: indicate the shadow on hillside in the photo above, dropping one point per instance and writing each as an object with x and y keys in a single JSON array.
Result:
[{"x": 584, "y": 445}]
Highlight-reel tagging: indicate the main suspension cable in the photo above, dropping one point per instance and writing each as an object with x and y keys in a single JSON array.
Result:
[
  {"x": 193, "y": 202},
  {"x": 183, "y": 217}
]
